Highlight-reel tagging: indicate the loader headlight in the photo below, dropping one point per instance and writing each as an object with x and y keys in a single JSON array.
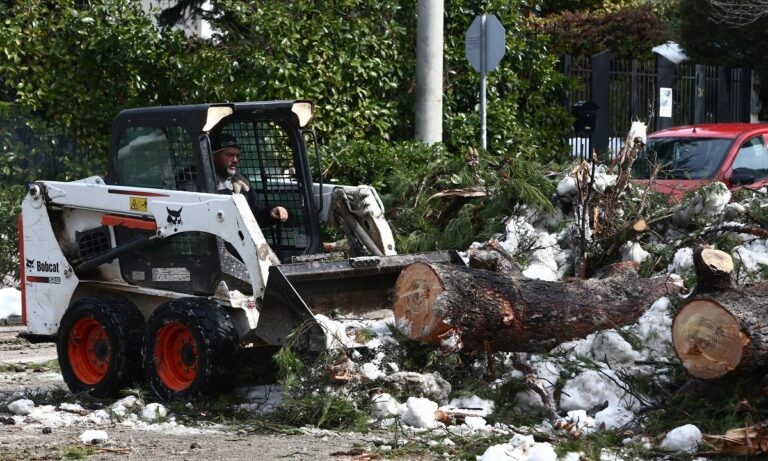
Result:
[{"x": 303, "y": 110}]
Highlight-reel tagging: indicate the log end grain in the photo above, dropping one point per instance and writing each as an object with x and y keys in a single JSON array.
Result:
[
  {"x": 416, "y": 291},
  {"x": 708, "y": 339}
]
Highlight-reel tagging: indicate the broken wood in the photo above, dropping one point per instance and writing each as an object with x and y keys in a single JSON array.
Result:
[
  {"x": 473, "y": 309},
  {"x": 739, "y": 441},
  {"x": 721, "y": 328}
]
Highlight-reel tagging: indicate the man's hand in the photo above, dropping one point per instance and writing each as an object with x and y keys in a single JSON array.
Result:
[{"x": 279, "y": 214}]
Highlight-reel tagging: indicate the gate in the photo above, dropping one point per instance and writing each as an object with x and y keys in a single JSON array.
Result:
[{"x": 628, "y": 90}]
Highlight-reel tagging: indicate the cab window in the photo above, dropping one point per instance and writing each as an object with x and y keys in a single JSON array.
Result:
[{"x": 156, "y": 157}]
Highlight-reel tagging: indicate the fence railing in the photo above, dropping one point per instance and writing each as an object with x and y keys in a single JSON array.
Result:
[{"x": 628, "y": 90}]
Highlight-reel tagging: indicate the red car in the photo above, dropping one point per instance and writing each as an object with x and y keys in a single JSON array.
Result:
[{"x": 691, "y": 156}]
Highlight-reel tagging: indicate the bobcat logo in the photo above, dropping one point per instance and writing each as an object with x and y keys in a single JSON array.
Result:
[
  {"x": 30, "y": 263},
  {"x": 174, "y": 217}
]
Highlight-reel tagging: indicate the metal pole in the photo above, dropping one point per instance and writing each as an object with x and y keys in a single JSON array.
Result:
[
  {"x": 429, "y": 71},
  {"x": 483, "y": 136}
]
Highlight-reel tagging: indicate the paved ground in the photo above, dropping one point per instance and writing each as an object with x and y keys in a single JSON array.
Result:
[{"x": 20, "y": 372}]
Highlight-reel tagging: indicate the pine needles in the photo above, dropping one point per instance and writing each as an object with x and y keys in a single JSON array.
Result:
[{"x": 450, "y": 201}]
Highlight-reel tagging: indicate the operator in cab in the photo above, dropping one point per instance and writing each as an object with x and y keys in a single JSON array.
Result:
[{"x": 226, "y": 158}]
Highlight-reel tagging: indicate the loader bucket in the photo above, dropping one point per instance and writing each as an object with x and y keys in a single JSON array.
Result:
[{"x": 353, "y": 287}]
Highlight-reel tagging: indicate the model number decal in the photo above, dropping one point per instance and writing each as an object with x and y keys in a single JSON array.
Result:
[
  {"x": 171, "y": 274},
  {"x": 39, "y": 279}
]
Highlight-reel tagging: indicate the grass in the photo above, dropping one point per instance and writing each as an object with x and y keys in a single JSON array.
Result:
[
  {"x": 593, "y": 444},
  {"x": 37, "y": 367},
  {"x": 77, "y": 451}
]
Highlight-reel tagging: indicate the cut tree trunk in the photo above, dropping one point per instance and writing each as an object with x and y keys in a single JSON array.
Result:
[
  {"x": 476, "y": 310},
  {"x": 722, "y": 328}
]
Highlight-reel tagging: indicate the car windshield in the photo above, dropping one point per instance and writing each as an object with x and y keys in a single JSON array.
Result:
[{"x": 681, "y": 158}]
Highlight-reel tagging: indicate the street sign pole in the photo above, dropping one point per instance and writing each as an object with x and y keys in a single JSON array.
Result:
[
  {"x": 484, "y": 49},
  {"x": 483, "y": 58}
]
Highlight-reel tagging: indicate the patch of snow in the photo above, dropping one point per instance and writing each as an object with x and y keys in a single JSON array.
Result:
[
  {"x": 751, "y": 255},
  {"x": 72, "y": 408},
  {"x": 385, "y": 406},
  {"x": 613, "y": 417},
  {"x": 370, "y": 371},
  {"x": 682, "y": 261},
  {"x": 592, "y": 388},
  {"x": 420, "y": 412},
  {"x": 610, "y": 347},
  {"x": 540, "y": 271},
  {"x": 335, "y": 333},
  {"x": 520, "y": 448},
  {"x": 10, "y": 302},
  {"x": 580, "y": 420},
  {"x": 92, "y": 436},
  {"x": 474, "y": 402},
  {"x": 654, "y": 329},
  {"x": 632, "y": 251},
  {"x": 125, "y": 405},
  {"x": 683, "y": 439},
  {"x": 153, "y": 412},
  {"x": 21, "y": 407}
]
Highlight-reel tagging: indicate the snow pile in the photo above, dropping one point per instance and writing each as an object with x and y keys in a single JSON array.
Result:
[
  {"x": 520, "y": 448},
  {"x": 10, "y": 302},
  {"x": 129, "y": 412},
  {"x": 683, "y": 439}
]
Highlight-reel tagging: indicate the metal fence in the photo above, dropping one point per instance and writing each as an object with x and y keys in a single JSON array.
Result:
[{"x": 628, "y": 90}]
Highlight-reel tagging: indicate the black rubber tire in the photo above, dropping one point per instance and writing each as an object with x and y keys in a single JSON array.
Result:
[
  {"x": 119, "y": 325},
  {"x": 209, "y": 328}
]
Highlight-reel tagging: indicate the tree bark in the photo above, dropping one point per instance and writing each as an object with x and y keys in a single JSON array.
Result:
[
  {"x": 476, "y": 310},
  {"x": 721, "y": 328}
]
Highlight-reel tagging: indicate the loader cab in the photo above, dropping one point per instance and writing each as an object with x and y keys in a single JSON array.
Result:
[{"x": 170, "y": 148}]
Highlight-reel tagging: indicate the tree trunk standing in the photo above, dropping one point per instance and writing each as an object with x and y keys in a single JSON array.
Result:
[
  {"x": 474, "y": 309},
  {"x": 722, "y": 328},
  {"x": 713, "y": 269}
]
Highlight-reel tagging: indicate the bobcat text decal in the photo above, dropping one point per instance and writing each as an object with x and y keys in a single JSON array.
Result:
[{"x": 42, "y": 266}]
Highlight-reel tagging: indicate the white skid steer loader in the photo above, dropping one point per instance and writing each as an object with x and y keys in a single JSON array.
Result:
[{"x": 148, "y": 272}]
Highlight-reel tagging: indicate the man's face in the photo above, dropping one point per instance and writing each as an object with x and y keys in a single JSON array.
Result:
[{"x": 226, "y": 160}]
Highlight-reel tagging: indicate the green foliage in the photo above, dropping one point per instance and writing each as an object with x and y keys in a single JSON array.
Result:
[
  {"x": 628, "y": 33},
  {"x": 77, "y": 64},
  {"x": 77, "y": 451},
  {"x": 426, "y": 217},
  {"x": 592, "y": 444},
  {"x": 525, "y": 115},
  {"x": 724, "y": 44},
  {"x": 355, "y": 66},
  {"x": 310, "y": 396},
  {"x": 10, "y": 207},
  {"x": 713, "y": 406},
  {"x": 358, "y": 68},
  {"x": 375, "y": 163},
  {"x": 324, "y": 410}
]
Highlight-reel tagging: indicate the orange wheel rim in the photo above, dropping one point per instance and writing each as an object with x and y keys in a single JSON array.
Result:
[
  {"x": 88, "y": 351},
  {"x": 176, "y": 356}
]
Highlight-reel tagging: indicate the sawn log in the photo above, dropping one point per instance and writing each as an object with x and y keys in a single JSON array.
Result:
[
  {"x": 475, "y": 309},
  {"x": 723, "y": 327}
]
